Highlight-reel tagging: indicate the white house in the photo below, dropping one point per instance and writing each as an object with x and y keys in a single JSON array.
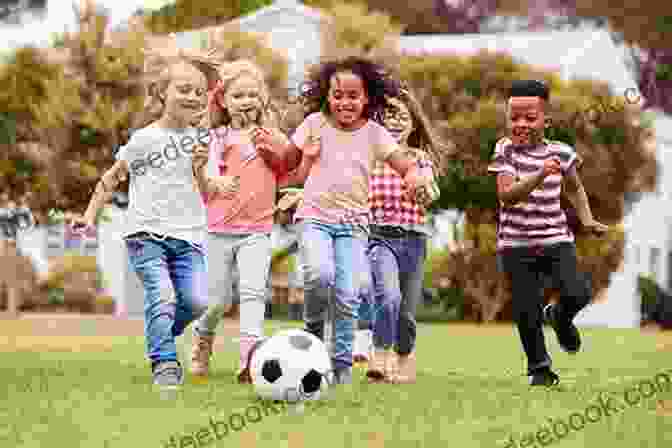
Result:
[{"x": 291, "y": 27}]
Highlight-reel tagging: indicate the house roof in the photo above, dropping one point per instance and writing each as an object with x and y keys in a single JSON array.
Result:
[
  {"x": 280, "y": 7},
  {"x": 587, "y": 54}
]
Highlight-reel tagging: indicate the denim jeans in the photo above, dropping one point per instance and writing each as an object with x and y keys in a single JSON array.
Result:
[
  {"x": 366, "y": 311},
  {"x": 334, "y": 257},
  {"x": 397, "y": 267},
  {"x": 250, "y": 256},
  {"x": 173, "y": 274}
]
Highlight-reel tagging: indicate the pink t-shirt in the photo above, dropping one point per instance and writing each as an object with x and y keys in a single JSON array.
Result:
[
  {"x": 337, "y": 188},
  {"x": 251, "y": 209}
]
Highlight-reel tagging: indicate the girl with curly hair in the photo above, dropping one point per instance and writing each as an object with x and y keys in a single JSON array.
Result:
[{"x": 342, "y": 100}]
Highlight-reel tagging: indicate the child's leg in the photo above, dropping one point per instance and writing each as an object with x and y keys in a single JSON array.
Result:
[
  {"x": 220, "y": 282},
  {"x": 526, "y": 284},
  {"x": 188, "y": 272},
  {"x": 575, "y": 294},
  {"x": 149, "y": 260},
  {"x": 350, "y": 275},
  {"x": 385, "y": 266},
  {"x": 411, "y": 279},
  {"x": 317, "y": 248},
  {"x": 254, "y": 259},
  {"x": 220, "y": 294}
]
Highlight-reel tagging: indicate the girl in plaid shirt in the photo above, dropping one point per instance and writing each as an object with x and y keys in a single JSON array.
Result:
[{"x": 397, "y": 245}]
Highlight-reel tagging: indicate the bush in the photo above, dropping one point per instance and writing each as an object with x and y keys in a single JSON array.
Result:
[{"x": 73, "y": 284}]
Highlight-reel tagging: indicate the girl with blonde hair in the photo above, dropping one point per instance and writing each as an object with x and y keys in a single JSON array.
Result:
[
  {"x": 166, "y": 217},
  {"x": 240, "y": 223}
]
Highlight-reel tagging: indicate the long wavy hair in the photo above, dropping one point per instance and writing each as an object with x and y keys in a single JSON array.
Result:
[
  {"x": 379, "y": 84},
  {"x": 424, "y": 137}
]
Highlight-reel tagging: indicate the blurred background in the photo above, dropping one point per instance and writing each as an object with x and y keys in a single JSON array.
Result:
[{"x": 72, "y": 89}]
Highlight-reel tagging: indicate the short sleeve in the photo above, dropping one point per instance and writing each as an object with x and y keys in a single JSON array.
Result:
[
  {"x": 384, "y": 144},
  {"x": 126, "y": 151},
  {"x": 303, "y": 132},
  {"x": 501, "y": 162}
]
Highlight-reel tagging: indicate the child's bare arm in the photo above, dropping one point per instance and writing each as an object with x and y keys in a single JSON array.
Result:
[
  {"x": 106, "y": 186},
  {"x": 408, "y": 168},
  {"x": 578, "y": 197},
  {"x": 211, "y": 185},
  {"x": 277, "y": 150}
]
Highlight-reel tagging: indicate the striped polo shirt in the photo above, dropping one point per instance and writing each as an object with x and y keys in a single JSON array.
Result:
[{"x": 539, "y": 220}]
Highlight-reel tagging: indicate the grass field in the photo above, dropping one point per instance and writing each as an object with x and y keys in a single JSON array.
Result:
[{"x": 93, "y": 391}]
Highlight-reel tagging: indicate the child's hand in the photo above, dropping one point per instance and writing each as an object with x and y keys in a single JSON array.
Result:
[
  {"x": 226, "y": 185},
  {"x": 551, "y": 167},
  {"x": 313, "y": 148},
  {"x": 81, "y": 225},
  {"x": 269, "y": 139},
  {"x": 596, "y": 228},
  {"x": 200, "y": 158}
]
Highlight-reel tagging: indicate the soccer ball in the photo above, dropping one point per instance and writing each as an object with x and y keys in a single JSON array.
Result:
[{"x": 292, "y": 366}]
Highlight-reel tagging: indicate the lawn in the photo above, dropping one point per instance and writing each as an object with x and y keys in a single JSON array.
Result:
[{"x": 470, "y": 393}]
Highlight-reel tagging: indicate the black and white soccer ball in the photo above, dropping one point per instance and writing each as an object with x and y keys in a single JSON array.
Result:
[{"x": 292, "y": 366}]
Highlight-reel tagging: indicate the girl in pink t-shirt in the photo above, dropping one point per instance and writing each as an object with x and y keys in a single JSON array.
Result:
[
  {"x": 240, "y": 223},
  {"x": 341, "y": 97}
]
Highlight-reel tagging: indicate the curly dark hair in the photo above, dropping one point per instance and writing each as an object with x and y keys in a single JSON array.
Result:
[{"x": 379, "y": 83}]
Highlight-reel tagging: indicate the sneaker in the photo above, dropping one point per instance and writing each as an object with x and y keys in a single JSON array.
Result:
[
  {"x": 567, "y": 334},
  {"x": 168, "y": 375},
  {"x": 544, "y": 377},
  {"x": 200, "y": 354}
]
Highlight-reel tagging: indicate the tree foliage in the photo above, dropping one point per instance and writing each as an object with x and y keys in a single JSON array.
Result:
[{"x": 72, "y": 106}]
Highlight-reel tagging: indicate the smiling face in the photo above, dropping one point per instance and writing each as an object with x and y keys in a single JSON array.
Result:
[
  {"x": 243, "y": 101},
  {"x": 347, "y": 100},
  {"x": 398, "y": 120},
  {"x": 185, "y": 95},
  {"x": 526, "y": 119}
]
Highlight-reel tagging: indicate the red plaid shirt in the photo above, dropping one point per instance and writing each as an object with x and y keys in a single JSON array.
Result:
[{"x": 387, "y": 202}]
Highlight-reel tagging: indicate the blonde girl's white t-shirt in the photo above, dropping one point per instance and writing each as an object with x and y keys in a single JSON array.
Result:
[
  {"x": 163, "y": 194},
  {"x": 337, "y": 188}
]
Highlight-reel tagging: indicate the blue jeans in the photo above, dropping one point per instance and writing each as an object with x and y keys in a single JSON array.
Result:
[
  {"x": 397, "y": 267},
  {"x": 173, "y": 274},
  {"x": 334, "y": 257},
  {"x": 366, "y": 312}
]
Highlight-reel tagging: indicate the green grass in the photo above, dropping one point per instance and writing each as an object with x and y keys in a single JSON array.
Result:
[{"x": 470, "y": 393}]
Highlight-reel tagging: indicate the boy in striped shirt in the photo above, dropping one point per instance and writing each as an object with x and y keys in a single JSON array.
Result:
[{"x": 533, "y": 237}]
